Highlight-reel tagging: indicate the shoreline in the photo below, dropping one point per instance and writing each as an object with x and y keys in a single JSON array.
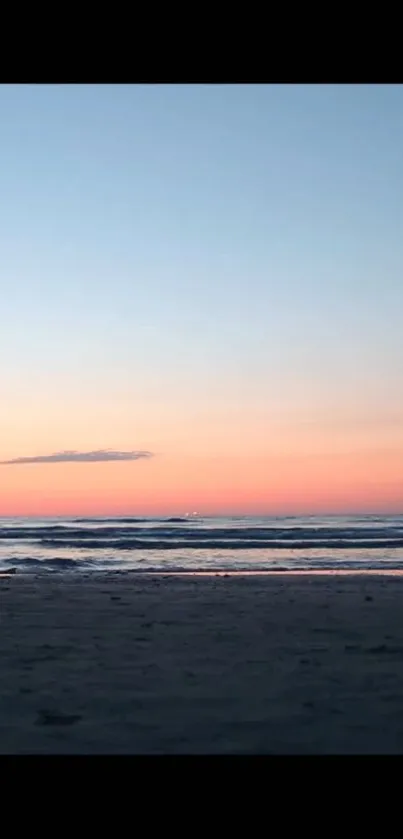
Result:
[
  {"x": 146, "y": 663},
  {"x": 97, "y": 573}
]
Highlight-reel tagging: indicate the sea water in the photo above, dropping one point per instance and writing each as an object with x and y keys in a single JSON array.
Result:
[{"x": 196, "y": 544}]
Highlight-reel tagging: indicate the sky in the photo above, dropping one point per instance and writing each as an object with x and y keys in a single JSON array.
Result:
[{"x": 201, "y": 299}]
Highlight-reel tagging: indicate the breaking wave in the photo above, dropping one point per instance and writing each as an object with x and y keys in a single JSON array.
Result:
[{"x": 182, "y": 544}]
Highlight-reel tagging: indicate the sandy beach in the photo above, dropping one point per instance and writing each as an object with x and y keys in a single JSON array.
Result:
[{"x": 123, "y": 663}]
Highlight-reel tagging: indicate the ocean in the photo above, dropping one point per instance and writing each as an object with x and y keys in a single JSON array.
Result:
[{"x": 197, "y": 544}]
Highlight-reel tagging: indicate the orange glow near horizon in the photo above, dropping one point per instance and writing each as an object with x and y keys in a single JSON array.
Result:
[
  {"x": 213, "y": 457},
  {"x": 211, "y": 485}
]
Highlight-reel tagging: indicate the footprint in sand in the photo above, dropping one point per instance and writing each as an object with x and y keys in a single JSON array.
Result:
[{"x": 50, "y": 718}]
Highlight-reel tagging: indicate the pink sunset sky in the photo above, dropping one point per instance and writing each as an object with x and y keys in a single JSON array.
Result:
[{"x": 209, "y": 273}]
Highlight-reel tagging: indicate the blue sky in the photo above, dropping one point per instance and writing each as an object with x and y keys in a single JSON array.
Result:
[{"x": 174, "y": 247}]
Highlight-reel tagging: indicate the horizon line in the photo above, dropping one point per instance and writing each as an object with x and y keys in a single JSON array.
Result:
[{"x": 114, "y": 515}]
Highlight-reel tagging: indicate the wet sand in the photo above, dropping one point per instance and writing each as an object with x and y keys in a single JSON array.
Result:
[{"x": 122, "y": 663}]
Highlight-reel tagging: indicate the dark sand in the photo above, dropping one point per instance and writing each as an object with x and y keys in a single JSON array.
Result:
[{"x": 122, "y": 663}]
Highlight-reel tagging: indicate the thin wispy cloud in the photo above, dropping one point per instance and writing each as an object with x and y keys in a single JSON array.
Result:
[{"x": 99, "y": 456}]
